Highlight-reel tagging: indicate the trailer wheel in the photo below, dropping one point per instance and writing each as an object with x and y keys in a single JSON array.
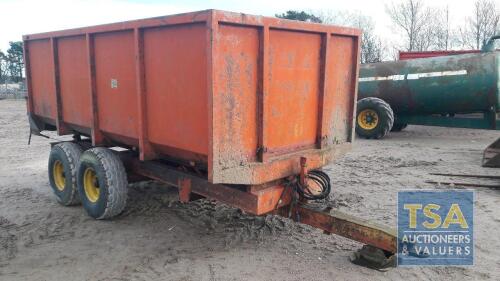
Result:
[
  {"x": 374, "y": 118},
  {"x": 102, "y": 183},
  {"x": 398, "y": 127},
  {"x": 63, "y": 161}
]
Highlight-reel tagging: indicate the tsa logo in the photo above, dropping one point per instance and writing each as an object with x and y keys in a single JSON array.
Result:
[{"x": 435, "y": 228}]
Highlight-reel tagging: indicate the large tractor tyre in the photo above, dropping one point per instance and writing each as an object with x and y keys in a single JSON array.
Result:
[
  {"x": 102, "y": 183},
  {"x": 63, "y": 162},
  {"x": 398, "y": 127},
  {"x": 374, "y": 118}
]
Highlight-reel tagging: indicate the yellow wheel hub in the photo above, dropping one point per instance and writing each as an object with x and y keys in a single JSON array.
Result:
[
  {"x": 368, "y": 119},
  {"x": 58, "y": 175},
  {"x": 91, "y": 185}
]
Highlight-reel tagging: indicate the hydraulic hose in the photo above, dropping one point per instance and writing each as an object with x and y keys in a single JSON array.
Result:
[{"x": 321, "y": 179}]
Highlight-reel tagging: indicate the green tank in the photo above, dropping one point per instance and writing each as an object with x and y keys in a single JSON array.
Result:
[{"x": 430, "y": 91}]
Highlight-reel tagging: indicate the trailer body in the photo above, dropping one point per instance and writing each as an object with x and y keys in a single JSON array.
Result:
[
  {"x": 224, "y": 106},
  {"x": 237, "y": 96}
]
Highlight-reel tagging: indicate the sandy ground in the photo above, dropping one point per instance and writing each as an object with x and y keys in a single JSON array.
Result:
[{"x": 157, "y": 238}]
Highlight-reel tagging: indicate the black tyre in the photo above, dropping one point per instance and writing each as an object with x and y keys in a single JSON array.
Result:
[
  {"x": 63, "y": 162},
  {"x": 102, "y": 183},
  {"x": 398, "y": 127},
  {"x": 374, "y": 118}
]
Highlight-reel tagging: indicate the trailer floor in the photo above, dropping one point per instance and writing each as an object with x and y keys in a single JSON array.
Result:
[{"x": 157, "y": 238}]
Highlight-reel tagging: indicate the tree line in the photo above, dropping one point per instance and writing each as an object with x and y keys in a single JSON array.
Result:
[
  {"x": 422, "y": 28},
  {"x": 12, "y": 64}
]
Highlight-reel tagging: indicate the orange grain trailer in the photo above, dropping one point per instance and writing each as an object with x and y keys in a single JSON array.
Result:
[{"x": 228, "y": 106}]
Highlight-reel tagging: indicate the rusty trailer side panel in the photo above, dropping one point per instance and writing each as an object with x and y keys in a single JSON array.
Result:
[{"x": 242, "y": 96}]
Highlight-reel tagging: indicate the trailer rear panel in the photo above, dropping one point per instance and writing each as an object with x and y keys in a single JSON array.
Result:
[{"x": 241, "y": 96}]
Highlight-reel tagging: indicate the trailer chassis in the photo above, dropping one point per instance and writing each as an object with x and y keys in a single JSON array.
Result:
[{"x": 272, "y": 198}]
